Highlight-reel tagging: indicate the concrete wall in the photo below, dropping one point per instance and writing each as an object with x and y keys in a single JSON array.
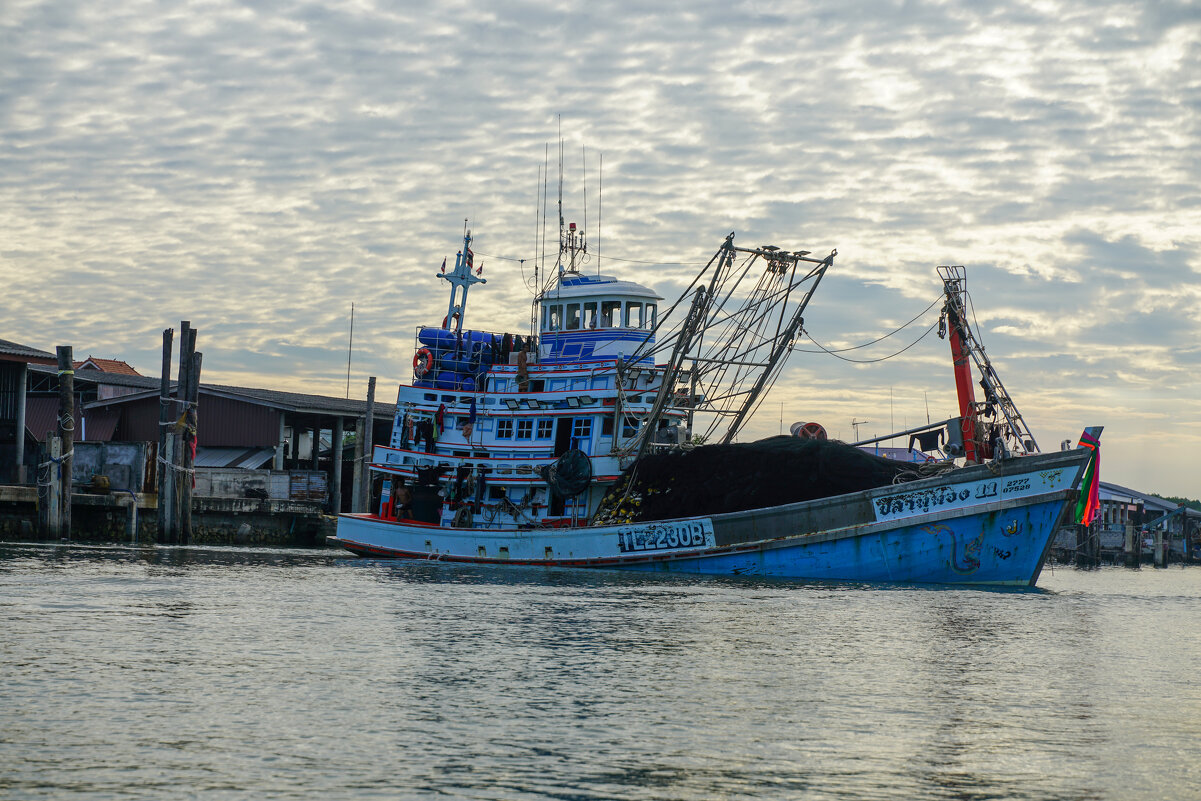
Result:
[
  {"x": 279, "y": 485},
  {"x": 123, "y": 463}
]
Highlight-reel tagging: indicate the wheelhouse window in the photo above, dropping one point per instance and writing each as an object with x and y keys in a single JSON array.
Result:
[
  {"x": 610, "y": 313},
  {"x": 590, "y": 315},
  {"x": 649, "y": 322},
  {"x": 633, "y": 315},
  {"x": 554, "y": 318},
  {"x": 573, "y": 316}
]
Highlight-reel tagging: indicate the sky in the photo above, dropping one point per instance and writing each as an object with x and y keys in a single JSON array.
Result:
[{"x": 258, "y": 167}]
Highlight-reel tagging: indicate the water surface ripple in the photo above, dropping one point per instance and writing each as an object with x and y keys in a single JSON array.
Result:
[{"x": 220, "y": 673}]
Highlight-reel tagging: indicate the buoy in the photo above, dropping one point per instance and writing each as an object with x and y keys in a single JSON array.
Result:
[
  {"x": 423, "y": 362},
  {"x": 808, "y": 431}
]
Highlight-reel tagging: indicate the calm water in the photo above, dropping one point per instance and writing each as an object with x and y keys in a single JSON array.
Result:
[{"x": 215, "y": 673}]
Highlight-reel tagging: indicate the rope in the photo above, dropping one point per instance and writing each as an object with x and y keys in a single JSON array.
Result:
[
  {"x": 882, "y": 338},
  {"x": 175, "y": 467},
  {"x": 871, "y": 361},
  {"x": 59, "y": 460},
  {"x": 598, "y": 254}
]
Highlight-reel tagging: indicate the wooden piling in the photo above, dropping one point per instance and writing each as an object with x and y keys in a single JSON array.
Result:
[
  {"x": 66, "y": 430},
  {"x": 1133, "y": 547},
  {"x": 356, "y": 487},
  {"x": 335, "y": 478},
  {"x": 191, "y": 434},
  {"x": 368, "y": 446},
  {"x": 166, "y": 478},
  {"x": 50, "y": 505}
]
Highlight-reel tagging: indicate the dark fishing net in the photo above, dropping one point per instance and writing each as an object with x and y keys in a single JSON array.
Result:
[{"x": 729, "y": 478}]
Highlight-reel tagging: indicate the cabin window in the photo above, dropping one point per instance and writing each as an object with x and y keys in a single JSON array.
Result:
[
  {"x": 629, "y": 426},
  {"x": 546, "y": 428},
  {"x": 554, "y": 318},
  {"x": 607, "y": 425},
  {"x": 504, "y": 429},
  {"x": 633, "y": 315},
  {"x": 610, "y": 312},
  {"x": 650, "y": 315},
  {"x": 525, "y": 429},
  {"x": 581, "y": 432},
  {"x": 573, "y": 316},
  {"x": 496, "y": 493},
  {"x": 590, "y": 315}
]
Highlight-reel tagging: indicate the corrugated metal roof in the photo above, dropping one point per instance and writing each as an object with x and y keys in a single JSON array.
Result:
[
  {"x": 41, "y": 416},
  {"x": 287, "y": 401},
  {"x": 24, "y": 351},
  {"x": 243, "y": 458}
]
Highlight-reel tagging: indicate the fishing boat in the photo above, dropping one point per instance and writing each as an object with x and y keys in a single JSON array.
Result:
[{"x": 526, "y": 448}]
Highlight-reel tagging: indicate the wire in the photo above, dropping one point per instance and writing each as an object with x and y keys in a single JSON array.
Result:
[
  {"x": 608, "y": 257},
  {"x": 871, "y": 361},
  {"x": 878, "y": 339}
]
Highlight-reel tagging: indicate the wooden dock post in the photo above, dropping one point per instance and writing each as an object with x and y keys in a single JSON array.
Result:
[
  {"x": 190, "y": 434},
  {"x": 66, "y": 430},
  {"x": 50, "y": 522},
  {"x": 1161, "y": 550},
  {"x": 368, "y": 447},
  {"x": 335, "y": 477},
  {"x": 131, "y": 519},
  {"x": 166, "y": 476},
  {"x": 356, "y": 487},
  {"x": 1133, "y": 547}
]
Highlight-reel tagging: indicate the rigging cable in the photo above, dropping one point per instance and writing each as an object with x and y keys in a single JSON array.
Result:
[
  {"x": 870, "y": 361},
  {"x": 878, "y": 339}
]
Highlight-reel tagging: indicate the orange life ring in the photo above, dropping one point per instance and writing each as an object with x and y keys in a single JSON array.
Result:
[
  {"x": 811, "y": 431},
  {"x": 423, "y": 362}
]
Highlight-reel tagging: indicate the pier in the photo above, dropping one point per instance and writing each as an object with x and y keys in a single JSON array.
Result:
[{"x": 93, "y": 450}]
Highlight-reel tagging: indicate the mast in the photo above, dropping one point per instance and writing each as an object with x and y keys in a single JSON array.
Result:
[
  {"x": 461, "y": 278},
  {"x": 978, "y": 441}
]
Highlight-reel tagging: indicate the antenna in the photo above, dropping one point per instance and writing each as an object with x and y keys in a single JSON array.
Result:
[
  {"x": 855, "y": 424},
  {"x": 600, "y": 206},
  {"x": 350, "y": 349}
]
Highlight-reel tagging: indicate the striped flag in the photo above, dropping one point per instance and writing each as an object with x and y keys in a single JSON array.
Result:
[{"x": 1090, "y": 503}]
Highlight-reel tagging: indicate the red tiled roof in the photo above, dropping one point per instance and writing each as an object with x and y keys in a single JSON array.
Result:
[{"x": 107, "y": 366}]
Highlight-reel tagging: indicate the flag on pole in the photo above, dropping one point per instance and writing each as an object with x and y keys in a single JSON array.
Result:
[
  {"x": 443, "y": 264},
  {"x": 469, "y": 424},
  {"x": 1090, "y": 503},
  {"x": 480, "y": 270},
  {"x": 470, "y": 259}
]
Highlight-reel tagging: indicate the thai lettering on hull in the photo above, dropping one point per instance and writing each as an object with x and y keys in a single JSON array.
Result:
[
  {"x": 665, "y": 536},
  {"x": 956, "y": 496}
]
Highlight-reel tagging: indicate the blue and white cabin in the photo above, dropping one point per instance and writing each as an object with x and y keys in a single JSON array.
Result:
[{"x": 486, "y": 413}]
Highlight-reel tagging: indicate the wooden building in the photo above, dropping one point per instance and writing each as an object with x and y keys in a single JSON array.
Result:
[
  {"x": 239, "y": 427},
  {"x": 15, "y": 453}
]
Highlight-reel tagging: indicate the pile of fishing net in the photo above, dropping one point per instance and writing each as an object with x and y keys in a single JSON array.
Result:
[{"x": 728, "y": 478}]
